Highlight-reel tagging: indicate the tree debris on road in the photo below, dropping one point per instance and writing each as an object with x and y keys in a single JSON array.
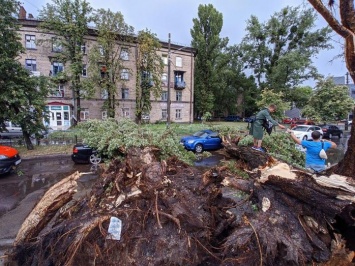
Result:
[{"x": 176, "y": 214}]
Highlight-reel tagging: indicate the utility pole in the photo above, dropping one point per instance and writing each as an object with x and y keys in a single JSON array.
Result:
[{"x": 168, "y": 98}]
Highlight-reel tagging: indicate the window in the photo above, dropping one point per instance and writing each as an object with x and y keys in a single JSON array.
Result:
[
  {"x": 104, "y": 115},
  {"x": 56, "y": 45},
  {"x": 57, "y": 67},
  {"x": 30, "y": 41},
  {"x": 83, "y": 48},
  {"x": 178, "y": 114},
  {"x": 164, "y": 96},
  {"x": 124, "y": 54},
  {"x": 125, "y": 112},
  {"x": 125, "y": 74},
  {"x": 58, "y": 92},
  {"x": 179, "y": 96},
  {"x": 125, "y": 93},
  {"x": 84, "y": 114},
  {"x": 164, "y": 114},
  {"x": 164, "y": 77},
  {"x": 165, "y": 59},
  {"x": 101, "y": 50},
  {"x": 84, "y": 71},
  {"x": 104, "y": 94},
  {"x": 30, "y": 64},
  {"x": 103, "y": 71},
  {"x": 178, "y": 61}
]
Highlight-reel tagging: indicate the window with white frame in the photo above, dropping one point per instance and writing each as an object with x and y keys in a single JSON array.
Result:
[
  {"x": 57, "y": 92},
  {"x": 31, "y": 64},
  {"x": 164, "y": 77},
  {"x": 178, "y": 96},
  {"x": 125, "y": 74},
  {"x": 124, "y": 55},
  {"x": 104, "y": 115},
  {"x": 84, "y": 114},
  {"x": 84, "y": 71},
  {"x": 104, "y": 94},
  {"x": 165, "y": 59},
  {"x": 164, "y": 96},
  {"x": 178, "y": 61},
  {"x": 125, "y": 112},
  {"x": 178, "y": 114},
  {"x": 101, "y": 50},
  {"x": 57, "y": 67},
  {"x": 56, "y": 45},
  {"x": 30, "y": 41},
  {"x": 125, "y": 93},
  {"x": 164, "y": 114}
]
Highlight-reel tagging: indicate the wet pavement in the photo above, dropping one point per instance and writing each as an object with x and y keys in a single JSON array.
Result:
[{"x": 21, "y": 190}]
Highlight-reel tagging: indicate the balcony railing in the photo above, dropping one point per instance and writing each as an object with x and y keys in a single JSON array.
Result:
[{"x": 180, "y": 85}]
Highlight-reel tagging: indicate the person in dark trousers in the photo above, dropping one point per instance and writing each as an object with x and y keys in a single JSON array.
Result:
[
  {"x": 313, "y": 160},
  {"x": 257, "y": 126}
]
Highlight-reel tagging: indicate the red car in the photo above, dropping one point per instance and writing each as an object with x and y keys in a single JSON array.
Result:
[{"x": 9, "y": 159}]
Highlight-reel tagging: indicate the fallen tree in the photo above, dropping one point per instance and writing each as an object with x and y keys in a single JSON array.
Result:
[{"x": 175, "y": 214}]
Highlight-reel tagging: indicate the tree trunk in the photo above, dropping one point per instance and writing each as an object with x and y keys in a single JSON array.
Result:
[
  {"x": 26, "y": 137},
  {"x": 345, "y": 29}
]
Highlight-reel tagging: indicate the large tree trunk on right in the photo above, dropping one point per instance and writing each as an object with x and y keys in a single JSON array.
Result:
[{"x": 346, "y": 30}]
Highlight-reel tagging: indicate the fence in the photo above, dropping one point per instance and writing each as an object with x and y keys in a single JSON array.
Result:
[{"x": 47, "y": 141}]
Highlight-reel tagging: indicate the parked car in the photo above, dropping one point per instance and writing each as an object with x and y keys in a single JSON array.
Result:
[
  {"x": 202, "y": 141},
  {"x": 12, "y": 130},
  {"x": 9, "y": 159},
  {"x": 301, "y": 122},
  {"x": 234, "y": 118},
  {"x": 304, "y": 132},
  {"x": 289, "y": 120},
  {"x": 249, "y": 119},
  {"x": 83, "y": 153},
  {"x": 331, "y": 130}
]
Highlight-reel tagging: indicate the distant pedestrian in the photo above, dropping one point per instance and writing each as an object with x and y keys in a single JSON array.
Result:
[
  {"x": 257, "y": 129},
  {"x": 313, "y": 161}
]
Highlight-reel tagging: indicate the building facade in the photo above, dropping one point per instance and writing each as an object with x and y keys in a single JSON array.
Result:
[{"x": 39, "y": 58}]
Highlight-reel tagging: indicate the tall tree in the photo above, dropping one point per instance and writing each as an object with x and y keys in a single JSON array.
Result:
[
  {"x": 280, "y": 51},
  {"x": 22, "y": 96},
  {"x": 149, "y": 68},
  {"x": 107, "y": 57},
  {"x": 328, "y": 102},
  {"x": 206, "y": 40},
  {"x": 299, "y": 96},
  {"x": 346, "y": 29},
  {"x": 69, "y": 20},
  {"x": 273, "y": 97}
]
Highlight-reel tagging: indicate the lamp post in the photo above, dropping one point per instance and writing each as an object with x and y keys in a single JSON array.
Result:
[{"x": 168, "y": 96}]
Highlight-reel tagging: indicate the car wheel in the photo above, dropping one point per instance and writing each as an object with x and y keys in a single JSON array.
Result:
[
  {"x": 95, "y": 159},
  {"x": 340, "y": 135},
  {"x": 305, "y": 138},
  {"x": 330, "y": 135},
  {"x": 199, "y": 148}
]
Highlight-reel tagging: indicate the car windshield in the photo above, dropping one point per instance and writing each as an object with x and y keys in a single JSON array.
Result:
[
  {"x": 200, "y": 134},
  {"x": 300, "y": 128}
]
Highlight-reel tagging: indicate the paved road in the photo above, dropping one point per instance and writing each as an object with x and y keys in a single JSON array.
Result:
[{"x": 20, "y": 191}]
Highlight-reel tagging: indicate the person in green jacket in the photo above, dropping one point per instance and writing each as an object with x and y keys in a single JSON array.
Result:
[{"x": 257, "y": 126}]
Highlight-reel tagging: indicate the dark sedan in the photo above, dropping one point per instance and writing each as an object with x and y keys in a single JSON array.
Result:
[
  {"x": 202, "y": 140},
  {"x": 84, "y": 154},
  {"x": 330, "y": 131},
  {"x": 9, "y": 159}
]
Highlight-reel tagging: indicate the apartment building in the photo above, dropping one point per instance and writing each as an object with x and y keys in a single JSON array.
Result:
[{"x": 39, "y": 58}]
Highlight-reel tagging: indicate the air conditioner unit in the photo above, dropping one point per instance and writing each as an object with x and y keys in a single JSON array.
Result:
[{"x": 35, "y": 73}]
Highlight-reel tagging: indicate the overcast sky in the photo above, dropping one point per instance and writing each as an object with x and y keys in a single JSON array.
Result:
[{"x": 175, "y": 17}]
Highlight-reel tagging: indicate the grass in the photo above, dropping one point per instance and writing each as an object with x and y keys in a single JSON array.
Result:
[{"x": 44, "y": 150}]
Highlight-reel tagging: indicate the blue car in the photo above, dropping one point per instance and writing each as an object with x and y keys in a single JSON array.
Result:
[{"x": 202, "y": 141}]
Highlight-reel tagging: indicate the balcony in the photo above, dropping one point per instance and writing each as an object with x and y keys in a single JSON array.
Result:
[
  {"x": 57, "y": 94},
  {"x": 180, "y": 85}
]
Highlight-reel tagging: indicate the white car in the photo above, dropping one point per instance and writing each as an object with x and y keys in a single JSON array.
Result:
[{"x": 304, "y": 132}]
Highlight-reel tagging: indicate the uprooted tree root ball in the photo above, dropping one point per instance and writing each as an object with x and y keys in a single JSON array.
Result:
[{"x": 174, "y": 214}]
